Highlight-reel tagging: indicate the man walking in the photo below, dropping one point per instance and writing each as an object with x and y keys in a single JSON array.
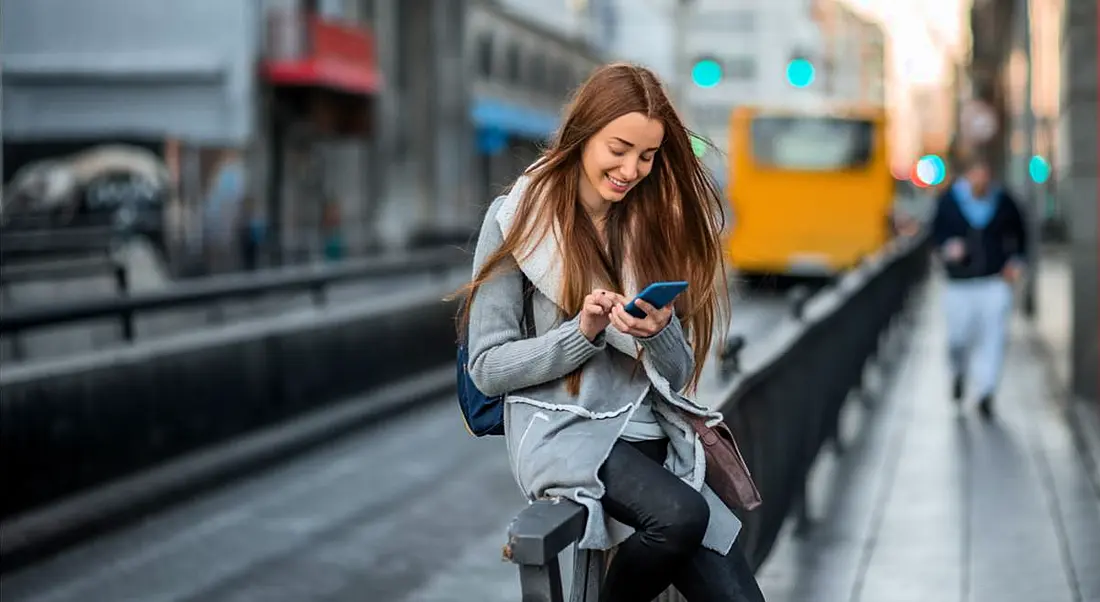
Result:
[{"x": 980, "y": 236}]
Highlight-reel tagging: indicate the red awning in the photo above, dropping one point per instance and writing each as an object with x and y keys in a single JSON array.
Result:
[{"x": 334, "y": 55}]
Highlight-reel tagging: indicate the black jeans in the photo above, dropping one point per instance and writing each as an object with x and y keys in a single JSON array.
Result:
[{"x": 670, "y": 519}]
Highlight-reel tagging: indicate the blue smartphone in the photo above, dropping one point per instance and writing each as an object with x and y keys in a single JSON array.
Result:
[{"x": 658, "y": 294}]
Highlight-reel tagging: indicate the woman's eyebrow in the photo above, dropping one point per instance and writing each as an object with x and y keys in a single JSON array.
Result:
[{"x": 631, "y": 144}]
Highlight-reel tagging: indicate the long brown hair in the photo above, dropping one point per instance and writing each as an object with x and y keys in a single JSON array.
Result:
[{"x": 669, "y": 225}]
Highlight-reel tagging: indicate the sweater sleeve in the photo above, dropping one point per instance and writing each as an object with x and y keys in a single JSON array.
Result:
[
  {"x": 501, "y": 359},
  {"x": 671, "y": 354}
]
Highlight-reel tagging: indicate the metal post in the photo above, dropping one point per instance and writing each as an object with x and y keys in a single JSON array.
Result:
[
  {"x": 122, "y": 280},
  {"x": 588, "y": 574},
  {"x": 541, "y": 583},
  {"x": 317, "y": 292},
  {"x": 1, "y": 138},
  {"x": 1030, "y": 198},
  {"x": 127, "y": 326}
]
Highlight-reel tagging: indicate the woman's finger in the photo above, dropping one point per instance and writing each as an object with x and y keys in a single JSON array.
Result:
[
  {"x": 618, "y": 323},
  {"x": 600, "y": 293},
  {"x": 624, "y": 317},
  {"x": 602, "y": 298},
  {"x": 617, "y": 298},
  {"x": 634, "y": 325},
  {"x": 595, "y": 309},
  {"x": 646, "y": 307}
]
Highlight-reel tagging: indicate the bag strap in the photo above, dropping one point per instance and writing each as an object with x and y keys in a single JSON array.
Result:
[{"x": 528, "y": 309}]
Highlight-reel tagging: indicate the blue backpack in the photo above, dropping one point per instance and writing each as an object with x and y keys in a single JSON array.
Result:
[{"x": 484, "y": 415}]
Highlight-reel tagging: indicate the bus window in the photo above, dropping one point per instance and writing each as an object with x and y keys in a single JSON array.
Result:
[{"x": 812, "y": 144}]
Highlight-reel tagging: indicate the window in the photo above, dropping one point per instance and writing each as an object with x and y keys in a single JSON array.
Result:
[
  {"x": 814, "y": 144},
  {"x": 485, "y": 55},
  {"x": 330, "y": 9},
  {"x": 359, "y": 11},
  {"x": 724, "y": 21},
  {"x": 511, "y": 63},
  {"x": 741, "y": 67},
  {"x": 365, "y": 11},
  {"x": 537, "y": 72},
  {"x": 351, "y": 11}
]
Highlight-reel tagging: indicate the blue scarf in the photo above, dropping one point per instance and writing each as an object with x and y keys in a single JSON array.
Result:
[{"x": 978, "y": 211}]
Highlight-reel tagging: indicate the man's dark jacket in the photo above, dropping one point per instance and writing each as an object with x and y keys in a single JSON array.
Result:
[{"x": 988, "y": 249}]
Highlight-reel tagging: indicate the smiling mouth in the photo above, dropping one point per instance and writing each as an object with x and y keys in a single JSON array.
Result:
[{"x": 618, "y": 183}]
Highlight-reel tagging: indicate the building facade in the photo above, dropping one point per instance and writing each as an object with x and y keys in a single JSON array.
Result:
[
  {"x": 523, "y": 59},
  {"x": 1078, "y": 173},
  {"x": 350, "y": 124},
  {"x": 252, "y": 107},
  {"x": 853, "y": 55},
  {"x": 591, "y": 23}
]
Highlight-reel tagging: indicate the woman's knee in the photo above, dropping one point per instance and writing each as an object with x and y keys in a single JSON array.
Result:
[{"x": 684, "y": 523}]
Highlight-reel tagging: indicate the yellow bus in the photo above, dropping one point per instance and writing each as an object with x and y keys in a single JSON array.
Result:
[{"x": 811, "y": 193}]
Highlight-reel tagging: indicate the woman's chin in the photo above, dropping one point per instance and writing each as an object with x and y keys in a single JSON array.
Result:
[{"x": 612, "y": 196}]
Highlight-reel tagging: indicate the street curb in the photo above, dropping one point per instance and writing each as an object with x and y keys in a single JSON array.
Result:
[{"x": 43, "y": 532}]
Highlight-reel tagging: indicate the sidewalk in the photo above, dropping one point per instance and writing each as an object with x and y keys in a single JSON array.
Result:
[
  {"x": 930, "y": 503},
  {"x": 1053, "y": 334}
]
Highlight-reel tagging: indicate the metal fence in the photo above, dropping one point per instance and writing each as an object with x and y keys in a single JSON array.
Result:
[
  {"x": 67, "y": 269},
  {"x": 315, "y": 279},
  {"x": 782, "y": 408}
]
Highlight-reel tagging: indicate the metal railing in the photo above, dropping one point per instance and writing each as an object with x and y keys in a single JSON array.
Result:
[
  {"x": 312, "y": 279},
  {"x": 782, "y": 407},
  {"x": 40, "y": 243},
  {"x": 67, "y": 269}
]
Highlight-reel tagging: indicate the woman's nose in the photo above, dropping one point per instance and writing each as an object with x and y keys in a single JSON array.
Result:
[{"x": 629, "y": 169}]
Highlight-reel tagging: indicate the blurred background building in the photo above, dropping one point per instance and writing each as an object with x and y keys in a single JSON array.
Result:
[
  {"x": 312, "y": 128},
  {"x": 286, "y": 131},
  {"x": 294, "y": 130}
]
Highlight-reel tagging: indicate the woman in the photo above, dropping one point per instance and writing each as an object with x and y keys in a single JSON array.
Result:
[{"x": 592, "y": 408}]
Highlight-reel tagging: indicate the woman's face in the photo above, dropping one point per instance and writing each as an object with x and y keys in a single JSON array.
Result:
[{"x": 617, "y": 157}]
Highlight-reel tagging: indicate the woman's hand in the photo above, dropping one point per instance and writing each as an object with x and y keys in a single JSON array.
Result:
[
  {"x": 596, "y": 312},
  {"x": 654, "y": 321}
]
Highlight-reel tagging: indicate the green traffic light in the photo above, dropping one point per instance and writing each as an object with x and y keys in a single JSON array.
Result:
[
  {"x": 800, "y": 73},
  {"x": 1039, "y": 169},
  {"x": 706, "y": 73}
]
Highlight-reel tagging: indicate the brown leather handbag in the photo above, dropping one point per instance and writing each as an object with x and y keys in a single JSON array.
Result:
[{"x": 727, "y": 473}]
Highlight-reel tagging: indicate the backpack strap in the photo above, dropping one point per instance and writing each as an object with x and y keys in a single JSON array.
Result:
[{"x": 528, "y": 309}]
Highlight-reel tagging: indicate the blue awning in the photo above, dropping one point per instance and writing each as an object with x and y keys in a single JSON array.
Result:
[{"x": 511, "y": 118}]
